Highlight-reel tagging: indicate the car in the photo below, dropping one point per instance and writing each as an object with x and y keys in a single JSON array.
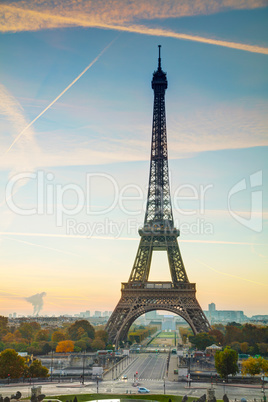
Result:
[
  {"x": 124, "y": 377},
  {"x": 143, "y": 390}
]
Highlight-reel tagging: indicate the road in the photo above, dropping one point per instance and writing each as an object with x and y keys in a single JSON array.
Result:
[
  {"x": 151, "y": 372},
  {"x": 149, "y": 367}
]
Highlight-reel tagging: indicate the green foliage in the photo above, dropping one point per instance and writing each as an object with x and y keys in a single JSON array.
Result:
[
  {"x": 36, "y": 370},
  {"x": 226, "y": 362},
  {"x": 253, "y": 366},
  {"x": 3, "y": 326},
  {"x": 156, "y": 397},
  {"x": 98, "y": 344},
  {"x": 202, "y": 340},
  {"x": 81, "y": 344},
  {"x": 185, "y": 333},
  {"x": 79, "y": 328},
  {"x": 58, "y": 336},
  {"x": 42, "y": 335},
  {"x": 27, "y": 331},
  {"x": 248, "y": 337},
  {"x": 218, "y": 335},
  {"x": 140, "y": 334},
  {"x": 101, "y": 334},
  {"x": 46, "y": 348},
  {"x": 11, "y": 364}
]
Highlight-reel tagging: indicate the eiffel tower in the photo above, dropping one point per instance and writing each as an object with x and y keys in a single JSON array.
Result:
[{"x": 158, "y": 233}]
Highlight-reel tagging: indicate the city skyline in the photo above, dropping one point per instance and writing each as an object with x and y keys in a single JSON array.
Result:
[{"x": 76, "y": 107}]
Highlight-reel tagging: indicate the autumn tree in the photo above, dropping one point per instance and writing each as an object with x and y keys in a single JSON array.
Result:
[
  {"x": 218, "y": 335},
  {"x": 81, "y": 344},
  {"x": 233, "y": 333},
  {"x": 58, "y": 336},
  {"x": 36, "y": 370},
  {"x": 11, "y": 364},
  {"x": 226, "y": 362},
  {"x": 42, "y": 335},
  {"x": 80, "y": 328},
  {"x": 3, "y": 326},
  {"x": 244, "y": 347},
  {"x": 202, "y": 340},
  {"x": 27, "y": 331},
  {"x": 97, "y": 344},
  {"x": 65, "y": 346},
  {"x": 253, "y": 366},
  {"x": 102, "y": 334},
  {"x": 263, "y": 348},
  {"x": 9, "y": 338}
]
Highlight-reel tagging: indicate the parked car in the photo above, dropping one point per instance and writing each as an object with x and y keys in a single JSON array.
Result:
[{"x": 143, "y": 390}]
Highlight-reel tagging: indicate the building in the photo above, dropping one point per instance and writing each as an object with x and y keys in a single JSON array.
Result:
[
  {"x": 224, "y": 316},
  {"x": 168, "y": 323}
]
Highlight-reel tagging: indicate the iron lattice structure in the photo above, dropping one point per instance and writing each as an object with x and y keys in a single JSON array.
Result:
[{"x": 138, "y": 295}]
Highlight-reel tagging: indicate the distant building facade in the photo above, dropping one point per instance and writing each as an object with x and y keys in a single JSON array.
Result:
[{"x": 224, "y": 316}]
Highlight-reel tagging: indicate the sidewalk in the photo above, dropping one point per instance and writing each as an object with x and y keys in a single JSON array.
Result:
[{"x": 173, "y": 365}]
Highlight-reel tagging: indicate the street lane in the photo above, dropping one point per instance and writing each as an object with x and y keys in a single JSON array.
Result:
[{"x": 149, "y": 367}]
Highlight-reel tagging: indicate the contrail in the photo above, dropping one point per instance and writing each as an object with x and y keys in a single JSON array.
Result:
[
  {"x": 40, "y": 245},
  {"x": 66, "y": 236},
  {"x": 232, "y": 276},
  {"x": 59, "y": 96}
]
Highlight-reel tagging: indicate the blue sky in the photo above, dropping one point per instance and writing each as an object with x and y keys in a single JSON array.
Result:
[{"x": 215, "y": 56}]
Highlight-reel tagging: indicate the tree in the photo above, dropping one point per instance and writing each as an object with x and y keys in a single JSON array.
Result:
[
  {"x": 58, "y": 336},
  {"x": 263, "y": 348},
  {"x": 11, "y": 364},
  {"x": 42, "y": 335},
  {"x": 218, "y": 335},
  {"x": 202, "y": 340},
  {"x": 9, "y": 337},
  {"x": 102, "y": 334},
  {"x": 244, "y": 347},
  {"x": 36, "y": 370},
  {"x": 226, "y": 362},
  {"x": 253, "y": 366},
  {"x": 81, "y": 344},
  {"x": 65, "y": 346},
  {"x": 80, "y": 328},
  {"x": 26, "y": 330},
  {"x": 3, "y": 326},
  {"x": 97, "y": 344},
  {"x": 46, "y": 348},
  {"x": 234, "y": 333}
]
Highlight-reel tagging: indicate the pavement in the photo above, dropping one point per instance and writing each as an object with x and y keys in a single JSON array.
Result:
[{"x": 152, "y": 370}]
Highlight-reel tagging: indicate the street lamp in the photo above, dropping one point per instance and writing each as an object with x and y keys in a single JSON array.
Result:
[
  {"x": 51, "y": 366},
  {"x": 164, "y": 385},
  {"x": 263, "y": 389},
  {"x": 83, "y": 378},
  {"x": 189, "y": 368}
]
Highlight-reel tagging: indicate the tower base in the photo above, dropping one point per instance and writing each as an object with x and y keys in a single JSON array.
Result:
[{"x": 138, "y": 298}]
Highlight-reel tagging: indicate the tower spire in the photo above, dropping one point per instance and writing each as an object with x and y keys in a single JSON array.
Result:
[{"x": 159, "y": 57}]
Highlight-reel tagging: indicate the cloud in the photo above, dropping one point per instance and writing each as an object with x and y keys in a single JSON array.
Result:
[
  {"x": 214, "y": 127},
  {"x": 120, "y": 15},
  {"x": 13, "y": 112},
  {"x": 66, "y": 236},
  {"x": 231, "y": 275},
  {"x": 24, "y": 131}
]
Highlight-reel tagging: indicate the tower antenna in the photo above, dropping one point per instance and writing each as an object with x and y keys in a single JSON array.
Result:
[{"x": 159, "y": 57}]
